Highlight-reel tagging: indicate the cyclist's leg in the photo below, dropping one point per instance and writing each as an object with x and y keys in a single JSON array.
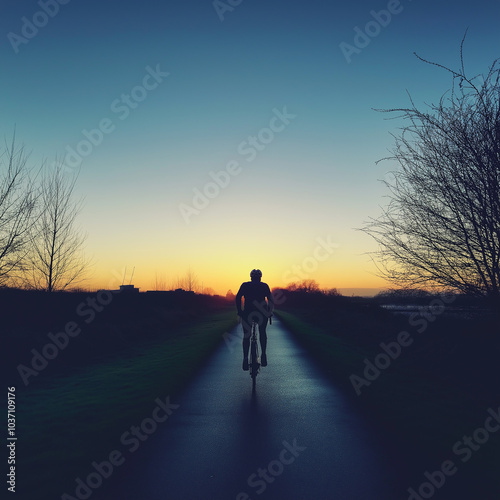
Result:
[
  {"x": 263, "y": 339},
  {"x": 263, "y": 335},
  {"x": 247, "y": 331}
]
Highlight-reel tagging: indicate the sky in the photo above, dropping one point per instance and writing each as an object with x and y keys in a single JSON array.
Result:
[{"x": 218, "y": 137}]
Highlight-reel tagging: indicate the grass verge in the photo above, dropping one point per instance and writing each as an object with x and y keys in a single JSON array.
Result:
[
  {"x": 427, "y": 410},
  {"x": 65, "y": 422}
]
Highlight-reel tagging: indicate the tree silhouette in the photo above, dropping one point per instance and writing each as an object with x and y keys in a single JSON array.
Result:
[
  {"x": 160, "y": 282},
  {"x": 191, "y": 281},
  {"x": 307, "y": 286},
  {"x": 56, "y": 260},
  {"x": 18, "y": 199},
  {"x": 441, "y": 227}
]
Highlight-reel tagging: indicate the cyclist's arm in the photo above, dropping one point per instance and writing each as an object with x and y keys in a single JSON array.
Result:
[
  {"x": 239, "y": 295},
  {"x": 270, "y": 302}
]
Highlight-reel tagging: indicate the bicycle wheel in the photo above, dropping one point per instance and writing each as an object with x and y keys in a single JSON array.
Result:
[{"x": 254, "y": 361}]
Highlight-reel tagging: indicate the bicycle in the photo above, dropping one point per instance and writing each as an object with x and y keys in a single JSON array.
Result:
[{"x": 254, "y": 364}]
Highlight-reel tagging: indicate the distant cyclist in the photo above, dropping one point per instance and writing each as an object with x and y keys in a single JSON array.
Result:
[{"x": 258, "y": 307}]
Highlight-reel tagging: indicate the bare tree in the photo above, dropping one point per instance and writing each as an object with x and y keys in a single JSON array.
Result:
[
  {"x": 56, "y": 260},
  {"x": 191, "y": 281},
  {"x": 441, "y": 227},
  {"x": 160, "y": 282},
  {"x": 17, "y": 202}
]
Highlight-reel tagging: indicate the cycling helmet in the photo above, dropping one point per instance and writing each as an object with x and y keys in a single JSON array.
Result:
[{"x": 256, "y": 273}]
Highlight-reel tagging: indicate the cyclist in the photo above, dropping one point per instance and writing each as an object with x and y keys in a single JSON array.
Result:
[{"x": 256, "y": 309}]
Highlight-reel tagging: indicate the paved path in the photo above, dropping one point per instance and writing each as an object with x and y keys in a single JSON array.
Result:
[{"x": 297, "y": 437}]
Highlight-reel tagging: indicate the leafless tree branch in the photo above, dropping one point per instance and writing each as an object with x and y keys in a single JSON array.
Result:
[
  {"x": 56, "y": 259},
  {"x": 441, "y": 227},
  {"x": 18, "y": 198}
]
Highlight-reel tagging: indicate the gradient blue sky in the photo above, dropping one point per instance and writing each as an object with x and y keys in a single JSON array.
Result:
[{"x": 316, "y": 179}]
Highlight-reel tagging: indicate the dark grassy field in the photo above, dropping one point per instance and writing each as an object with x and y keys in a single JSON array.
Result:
[
  {"x": 106, "y": 380},
  {"x": 430, "y": 394},
  {"x": 133, "y": 350}
]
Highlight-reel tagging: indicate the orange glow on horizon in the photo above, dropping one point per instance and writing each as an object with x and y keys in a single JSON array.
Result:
[{"x": 221, "y": 279}]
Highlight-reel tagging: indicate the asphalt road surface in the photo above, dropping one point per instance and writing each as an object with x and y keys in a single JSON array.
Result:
[{"x": 297, "y": 437}]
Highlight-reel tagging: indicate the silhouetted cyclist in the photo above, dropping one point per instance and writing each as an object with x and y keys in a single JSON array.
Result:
[{"x": 256, "y": 309}]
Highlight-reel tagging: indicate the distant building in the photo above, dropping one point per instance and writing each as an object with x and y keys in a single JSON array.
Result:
[{"x": 128, "y": 289}]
